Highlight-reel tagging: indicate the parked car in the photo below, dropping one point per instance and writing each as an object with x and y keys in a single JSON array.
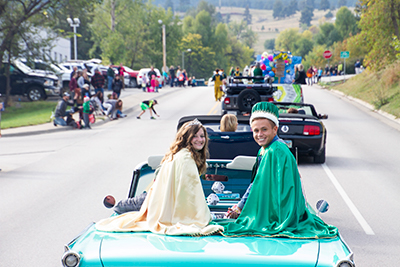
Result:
[
  {"x": 144, "y": 71},
  {"x": 303, "y": 132},
  {"x": 241, "y": 94},
  {"x": 63, "y": 74},
  {"x": 35, "y": 84},
  {"x": 97, "y": 248}
]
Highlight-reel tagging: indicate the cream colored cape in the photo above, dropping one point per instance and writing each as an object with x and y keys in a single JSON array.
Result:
[{"x": 175, "y": 204}]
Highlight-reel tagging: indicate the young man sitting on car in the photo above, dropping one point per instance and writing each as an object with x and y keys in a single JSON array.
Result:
[{"x": 274, "y": 204}]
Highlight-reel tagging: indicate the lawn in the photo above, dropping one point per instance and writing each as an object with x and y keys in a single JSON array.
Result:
[{"x": 27, "y": 113}]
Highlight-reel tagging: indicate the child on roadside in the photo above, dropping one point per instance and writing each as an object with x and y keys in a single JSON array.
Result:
[
  {"x": 148, "y": 104},
  {"x": 87, "y": 110},
  {"x": 144, "y": 83}
]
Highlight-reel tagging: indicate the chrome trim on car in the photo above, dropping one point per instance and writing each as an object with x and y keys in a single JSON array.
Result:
[
  {"x": 67, "y": 255},
  {"x": 350, "y": 258}
]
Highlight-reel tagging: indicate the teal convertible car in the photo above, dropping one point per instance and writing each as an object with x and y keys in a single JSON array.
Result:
[{"x": 94, "y": 248}]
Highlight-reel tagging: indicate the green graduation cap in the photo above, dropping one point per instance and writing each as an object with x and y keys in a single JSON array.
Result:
[{"x": 265, "y": 110}]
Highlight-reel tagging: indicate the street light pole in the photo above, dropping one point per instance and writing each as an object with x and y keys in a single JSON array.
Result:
[
  {"x": 75, "y": 23},
  {"x": 183, "y": 57},
  {"x": 164, "y": 46}
]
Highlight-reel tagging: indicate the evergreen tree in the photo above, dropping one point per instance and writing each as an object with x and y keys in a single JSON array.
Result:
[
  {"x": 342, "y": 3},
  {"x": 325, "y": 5},
  {"x": 169, "y": 4},
  {"x": 306, "y": 16},
  {"x": 247, "y": 15},
  {"x": 269, "y": 44},
  {"x": 278, "y": 9}
]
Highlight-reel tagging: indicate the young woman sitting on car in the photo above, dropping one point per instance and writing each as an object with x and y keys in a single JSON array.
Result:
[{"x": 174, "y": 204}]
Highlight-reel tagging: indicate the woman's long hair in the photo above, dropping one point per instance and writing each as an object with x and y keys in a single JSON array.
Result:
[{"x": 183, "y": 140}]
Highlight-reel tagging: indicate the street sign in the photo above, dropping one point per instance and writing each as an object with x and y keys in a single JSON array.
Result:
[
  {"x": 327, "y": 54},
  {"x": 344, "y": 54}
]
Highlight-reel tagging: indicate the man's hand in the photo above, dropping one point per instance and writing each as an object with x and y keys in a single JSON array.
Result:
[{"x": 234, "y": 212}]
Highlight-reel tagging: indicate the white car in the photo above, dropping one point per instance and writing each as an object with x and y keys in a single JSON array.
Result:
[{"x": 144, "y": 71}]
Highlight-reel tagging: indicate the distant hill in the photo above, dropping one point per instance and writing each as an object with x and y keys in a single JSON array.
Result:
[{"x": 183, "y": 5}]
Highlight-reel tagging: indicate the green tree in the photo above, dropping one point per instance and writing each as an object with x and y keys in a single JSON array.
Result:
[
  {"x": 202, "y": 25},
  {"x": 76, "y": 9},
  {"x": 19, "y": 26},
  {"x": 325, "y": 5},
  {"x": 306, "y": 16},
  {"x": 327, "y": 35},
  {"x": 269, "y": 44},
  {"x": 278, "y": 9},
  {"x": 242, "y": 32},
  {"x": 201, "y": 59},
  {"x": 286, "y": 39},
  {"x": 341, "y": 3},
  {"x": 345, "y": 22},
  {"x": 169, "y": 4},
  {"x": 247, "y": 15},
  {"x": 379, "y": 22}
]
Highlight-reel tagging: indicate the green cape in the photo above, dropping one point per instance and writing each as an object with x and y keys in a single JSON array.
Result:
[{"x": 276, "y": 206}]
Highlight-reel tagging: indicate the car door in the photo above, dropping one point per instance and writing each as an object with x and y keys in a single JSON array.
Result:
[{"x": 16, "y": 80}]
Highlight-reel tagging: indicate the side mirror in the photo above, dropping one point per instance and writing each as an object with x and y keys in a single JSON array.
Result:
[
  {"x": 109, "y": 202},
  {"x": 322, "y": 116},
  {"x": 322, "y": 206}
]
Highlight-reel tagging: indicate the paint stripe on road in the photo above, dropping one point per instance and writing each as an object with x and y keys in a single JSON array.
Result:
[
  {"x": 350, "y": 204},
  {"x": 213, "y": 109}
]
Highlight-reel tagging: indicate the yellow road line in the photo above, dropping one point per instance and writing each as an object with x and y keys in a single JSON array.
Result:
[{"x": 213, "y": 110}]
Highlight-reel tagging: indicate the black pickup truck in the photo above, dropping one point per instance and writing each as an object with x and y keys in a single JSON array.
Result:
[
  {"x": 241, "y": 93},
  {"x": 35, "y": 84}
]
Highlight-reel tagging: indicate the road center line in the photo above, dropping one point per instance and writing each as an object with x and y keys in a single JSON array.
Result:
[
  {"x": 350, "y": 204},
  {"x": 212, "y": 109}
]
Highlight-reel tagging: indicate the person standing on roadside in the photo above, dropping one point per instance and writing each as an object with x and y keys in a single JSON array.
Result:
[
  {"x": 172, "y": 75},
  {"x": 152, "y": 75},
  {"x": 121, "y": 72},
  {"x": 300, "y": 78},
  {"x": 310, "y": 74},
  {"x": 98, "y": 81},
  {"x": 257, "y": 72},
  {"x": 73, "y": 84},
  {"x": 110, "y": 77},
  {"x": 357, "y": 66},
  {"x": 319, "y": 74},
  {"x": 117, "y": 85}
]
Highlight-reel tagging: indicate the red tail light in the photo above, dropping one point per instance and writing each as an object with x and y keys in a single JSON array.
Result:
[
  {"x": 227, "y": 100},
  {"x": 270, "y": 99},
  {"x": 311, "y": 130}
]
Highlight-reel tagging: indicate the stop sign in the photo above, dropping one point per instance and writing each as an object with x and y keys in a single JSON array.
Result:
[{"x": 327, "y": 54}]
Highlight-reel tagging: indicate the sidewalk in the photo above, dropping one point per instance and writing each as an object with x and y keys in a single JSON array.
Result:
[{"x": 130, "y": 105}]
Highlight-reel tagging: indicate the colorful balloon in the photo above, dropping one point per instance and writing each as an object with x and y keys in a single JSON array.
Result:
[
  {"x": 271, "y": 74},
  {"x": 270, "y": 57},
  {"x": 263, "y": 67},
  {"x": 268, "y": 68}
]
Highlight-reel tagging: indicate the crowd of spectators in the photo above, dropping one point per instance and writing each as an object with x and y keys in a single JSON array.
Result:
[{"x": 88, "y": 104}]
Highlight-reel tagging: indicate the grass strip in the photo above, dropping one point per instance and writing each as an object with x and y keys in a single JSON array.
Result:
[{"x": 27, "y": 113}]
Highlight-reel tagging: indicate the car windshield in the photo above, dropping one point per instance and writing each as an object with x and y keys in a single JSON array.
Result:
[
  {"x": 24, "y": 68},
  {"x": 307, "y": 110},
  {"x": 215, "y": 127}
]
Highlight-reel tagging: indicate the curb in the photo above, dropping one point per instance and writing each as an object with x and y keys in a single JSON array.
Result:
[
  {"x": 127, "y": 111},
  {"x": 366, "y": 105}
]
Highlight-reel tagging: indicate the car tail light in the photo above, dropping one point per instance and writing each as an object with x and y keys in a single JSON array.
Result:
[
  {"x": 311, "y": 130},
  {"x": 227, "y": 100},
  {"x": 270, "y": 99}
]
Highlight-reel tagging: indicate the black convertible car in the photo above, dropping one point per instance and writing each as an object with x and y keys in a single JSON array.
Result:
[{"x": 303, "y": 132}]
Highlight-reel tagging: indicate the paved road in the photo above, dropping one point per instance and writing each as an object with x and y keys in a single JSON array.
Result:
[{"x": 52, "y": 184}]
